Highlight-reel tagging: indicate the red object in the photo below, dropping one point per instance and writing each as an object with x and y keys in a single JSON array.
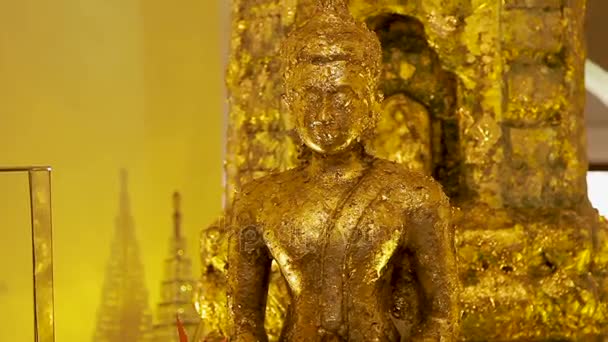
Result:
[{"x": 180, "y": 329}]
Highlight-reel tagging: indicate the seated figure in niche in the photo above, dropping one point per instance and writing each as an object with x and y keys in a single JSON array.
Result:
[
  {"x": 418, "y": 127},
  {"x": 340, "y": 225},
  {"x": 403, "y": 134}
]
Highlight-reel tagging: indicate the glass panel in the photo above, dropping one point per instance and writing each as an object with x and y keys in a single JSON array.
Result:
[
  {"x": 40, "y": 201},
  {"x": 16, "y": 281},
  {"x": 28, "y": 259}
]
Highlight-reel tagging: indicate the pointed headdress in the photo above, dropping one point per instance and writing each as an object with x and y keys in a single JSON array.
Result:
[{"x": 332, "y": 34}]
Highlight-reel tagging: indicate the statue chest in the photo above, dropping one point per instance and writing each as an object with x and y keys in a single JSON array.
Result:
[{"x": 327, "y": 237}]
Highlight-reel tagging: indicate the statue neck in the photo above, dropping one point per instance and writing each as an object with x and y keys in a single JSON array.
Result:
[{"x": 348, "y": 164}]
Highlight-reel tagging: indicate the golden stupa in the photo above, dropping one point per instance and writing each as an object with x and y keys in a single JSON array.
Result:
[{"x": 487, "y": 97}]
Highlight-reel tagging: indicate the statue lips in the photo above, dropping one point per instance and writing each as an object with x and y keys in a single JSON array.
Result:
[{"x": 326, "y": 136}]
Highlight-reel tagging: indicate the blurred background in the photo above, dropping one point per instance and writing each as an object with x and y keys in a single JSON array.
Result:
[{"x": 91, "y": 87}]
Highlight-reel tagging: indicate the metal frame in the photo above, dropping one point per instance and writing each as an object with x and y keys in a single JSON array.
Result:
[
  {"x": 598, "y": 167},
  {"x": 42, "y": 249}
]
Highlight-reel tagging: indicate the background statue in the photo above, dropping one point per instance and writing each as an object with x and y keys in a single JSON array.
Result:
[{"x": 210, "y": 298}]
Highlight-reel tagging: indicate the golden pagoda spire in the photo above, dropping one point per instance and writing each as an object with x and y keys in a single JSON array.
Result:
[
  {"x": 123, "y": 313},
  {"x": 177, "y": 215},
  {"x": 177, "y": 285}
]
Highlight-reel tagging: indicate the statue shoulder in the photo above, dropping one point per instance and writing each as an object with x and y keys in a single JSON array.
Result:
[
  {"x": 412, "y": 186},
  {"x": 255, "y": 193}
]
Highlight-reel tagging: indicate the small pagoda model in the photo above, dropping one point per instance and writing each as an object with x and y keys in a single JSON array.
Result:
[
  {"x": 177, "y": 287},
  {"x": 123, "y": 314}
]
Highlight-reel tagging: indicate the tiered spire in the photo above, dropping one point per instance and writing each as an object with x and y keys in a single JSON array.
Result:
[
  {"x": 177, "y": 215},
  {"x": 123, "y": 313},
  {"x": 334, "y": 5},
  {"x": 177, "y": 297}
]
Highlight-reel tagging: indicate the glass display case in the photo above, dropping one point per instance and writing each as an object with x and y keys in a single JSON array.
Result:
[{"x": 39, "y": 189}]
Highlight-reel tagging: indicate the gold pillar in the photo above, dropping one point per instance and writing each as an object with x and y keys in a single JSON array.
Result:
[{"x": 258, "y": 136}]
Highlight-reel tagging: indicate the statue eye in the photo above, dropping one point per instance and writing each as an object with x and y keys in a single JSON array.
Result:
[
  {"x": 342, "y": 98},
  {"x": 311, "y": 95},
  {"x": 344, "y": 95}
]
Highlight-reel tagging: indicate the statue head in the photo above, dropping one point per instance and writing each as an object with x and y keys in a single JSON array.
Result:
[{"x": 332, "y": 68}]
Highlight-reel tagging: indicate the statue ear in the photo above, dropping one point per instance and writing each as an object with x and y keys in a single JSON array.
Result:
[
  {"x": 379, "y": 96},
  {"x": 286, "y": 100},
  {"x": 376, "y": 104}
]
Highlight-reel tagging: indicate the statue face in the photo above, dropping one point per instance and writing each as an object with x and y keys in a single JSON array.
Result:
[{"x": 331, "y": 103}]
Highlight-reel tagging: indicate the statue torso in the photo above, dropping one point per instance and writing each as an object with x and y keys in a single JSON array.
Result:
[{"x": 335, "y": 243}]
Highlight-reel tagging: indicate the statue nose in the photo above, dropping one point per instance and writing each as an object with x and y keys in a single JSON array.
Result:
[
  {"x": 325, "y": 113},
  {"x": 324, "y": 117}
]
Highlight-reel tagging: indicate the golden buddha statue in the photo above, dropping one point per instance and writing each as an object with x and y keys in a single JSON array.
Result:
[
  {"x": 343, "y": 225},
  {"x": 401, "y": 134}
]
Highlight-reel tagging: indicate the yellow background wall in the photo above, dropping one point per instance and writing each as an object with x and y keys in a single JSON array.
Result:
[{"x": 88, "y": 87}]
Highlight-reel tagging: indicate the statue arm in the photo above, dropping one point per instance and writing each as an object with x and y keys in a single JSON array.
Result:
[
  {"x": 248, "y": 275},
  {"x": 435, "y": 265}
]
